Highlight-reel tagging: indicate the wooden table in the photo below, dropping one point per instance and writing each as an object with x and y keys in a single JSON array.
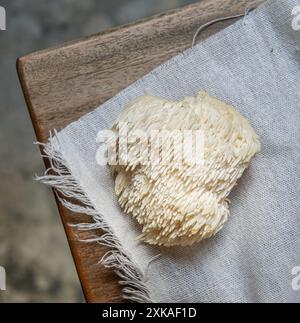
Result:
[{"x": 63, "y": 83}]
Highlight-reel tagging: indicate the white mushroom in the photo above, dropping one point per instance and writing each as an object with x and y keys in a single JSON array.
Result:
[{"x": 179, "y": 203}]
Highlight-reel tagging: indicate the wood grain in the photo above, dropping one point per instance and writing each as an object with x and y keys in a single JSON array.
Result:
[{"x": 63, "y": 83}]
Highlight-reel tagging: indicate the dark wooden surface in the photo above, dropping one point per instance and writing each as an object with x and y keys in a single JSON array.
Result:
[{"x": 63, "y": 83}]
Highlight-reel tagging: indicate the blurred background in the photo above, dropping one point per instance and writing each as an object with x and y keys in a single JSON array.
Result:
[{"x": 33, "y": 247}]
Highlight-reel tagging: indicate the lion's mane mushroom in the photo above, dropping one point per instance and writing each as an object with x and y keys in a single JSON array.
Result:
[{"x": 181, "y": 203}]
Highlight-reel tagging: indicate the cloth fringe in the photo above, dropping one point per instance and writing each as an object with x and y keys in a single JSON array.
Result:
[{"x": 59, "y": 177}]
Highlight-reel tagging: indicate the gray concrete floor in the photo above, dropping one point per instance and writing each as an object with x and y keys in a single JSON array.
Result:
[{"x": 33, "y": 246}]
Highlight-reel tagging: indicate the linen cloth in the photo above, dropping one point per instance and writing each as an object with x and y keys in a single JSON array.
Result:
[{"x": 253, "y": 65}]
